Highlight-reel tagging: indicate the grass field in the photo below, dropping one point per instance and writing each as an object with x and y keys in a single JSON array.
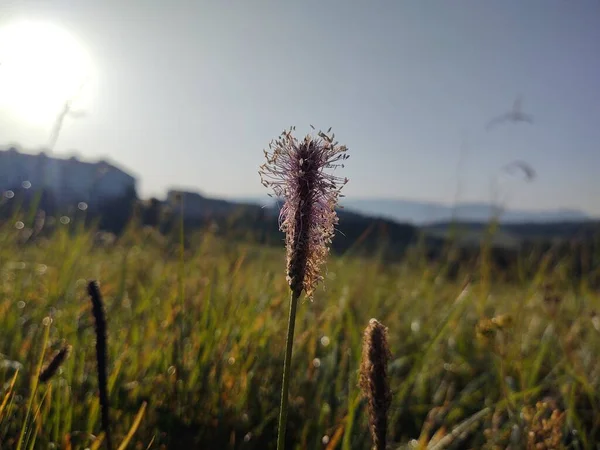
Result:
[{"x": 196, "y": 341}]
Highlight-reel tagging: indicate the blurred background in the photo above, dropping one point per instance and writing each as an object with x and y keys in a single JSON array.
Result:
[{"x": 185, "y": 95}]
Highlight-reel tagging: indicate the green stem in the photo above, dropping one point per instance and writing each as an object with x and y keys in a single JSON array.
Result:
[{"x": 286, "y": 372}]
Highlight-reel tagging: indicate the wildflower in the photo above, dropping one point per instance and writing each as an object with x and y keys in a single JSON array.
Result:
[
  {"x": 297, "y": 171},
  {"x": 544, "y": 424},
  {"x": 374, "y": 380}
]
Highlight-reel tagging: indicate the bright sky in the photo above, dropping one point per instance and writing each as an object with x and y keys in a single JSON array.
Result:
[{"x": 189, "y": 93}]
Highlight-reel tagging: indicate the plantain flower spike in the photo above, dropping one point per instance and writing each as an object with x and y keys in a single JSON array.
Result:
[
  {"x": 50, "y": 370},
  {"x": 374, "y": 381},
  {"x": 301, "y": 172}
]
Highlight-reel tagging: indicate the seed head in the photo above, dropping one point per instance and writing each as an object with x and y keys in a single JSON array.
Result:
[
  {"x": 374, "y": 382},
  {"x": 101, "y": 356},
  {"x": 299, "y": 172},
  {"x": 57, "y": 360}
]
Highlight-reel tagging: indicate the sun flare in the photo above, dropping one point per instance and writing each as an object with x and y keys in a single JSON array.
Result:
[{"x": 41, "y": 67}]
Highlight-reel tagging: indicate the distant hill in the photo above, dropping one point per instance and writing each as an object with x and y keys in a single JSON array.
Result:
[
  {"x": 424, "y": 213},
  {"x": 515, "y": 234},
  {"x": 258, "y": 221},
  {"x": 421, "y": 213},
  {"x": 571, "y": 243}
]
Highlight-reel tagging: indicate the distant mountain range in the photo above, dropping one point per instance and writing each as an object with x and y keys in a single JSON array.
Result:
[
  {"x": 425, "y": 213},
  {"x": 421, "y": 213},
  {"x": 373, "y": 232},
  {"x": 386, "y": 227}
]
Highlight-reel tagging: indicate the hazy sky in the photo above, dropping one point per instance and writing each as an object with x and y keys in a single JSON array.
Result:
[{"x": 188, "y": 93}]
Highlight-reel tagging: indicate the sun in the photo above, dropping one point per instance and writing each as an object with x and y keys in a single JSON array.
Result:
[{"x": 42, "y": 67}]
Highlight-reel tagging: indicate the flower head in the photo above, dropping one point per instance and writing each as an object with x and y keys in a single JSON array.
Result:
[
  {"x": 57, "y": 360},
  {"x": 374, "y": 380},
  {"x": 300, "y": 172}
]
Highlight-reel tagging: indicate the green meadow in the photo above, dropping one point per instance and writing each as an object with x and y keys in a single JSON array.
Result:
[{"x": 196, "y": 336}]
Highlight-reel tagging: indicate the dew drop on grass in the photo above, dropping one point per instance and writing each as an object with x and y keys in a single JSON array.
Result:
[
  {"x": 247, "y": 437},
  {"x": 9, "y": 194},
  {"x": 65, "y": 220},
  {"x": 82, "y": 206},
  {"x": 596, "y": 323},
  {"x": 325, "y": 341},
  {"x": 19, "y": 225},
  {"x": 131, "y": 385},
  {"x": 231, "y": 360},
  {"x": 415, "y": 326},
  {"x": 316, "y": 363},
  {"x": 21, "y": 304},
  {"x": 325, "y": 440},
  {"x": 171, "y": 370},
  {"x": 26, "y": 184},
  {"x": 47, "y": 321}
]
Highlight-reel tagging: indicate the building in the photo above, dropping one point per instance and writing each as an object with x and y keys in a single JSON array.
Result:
[{"x": 69, "y": 181}]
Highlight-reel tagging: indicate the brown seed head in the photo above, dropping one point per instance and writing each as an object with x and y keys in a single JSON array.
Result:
[
  {"x": 374, "y": 382},
  {"x": 50, "y": 370}
]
